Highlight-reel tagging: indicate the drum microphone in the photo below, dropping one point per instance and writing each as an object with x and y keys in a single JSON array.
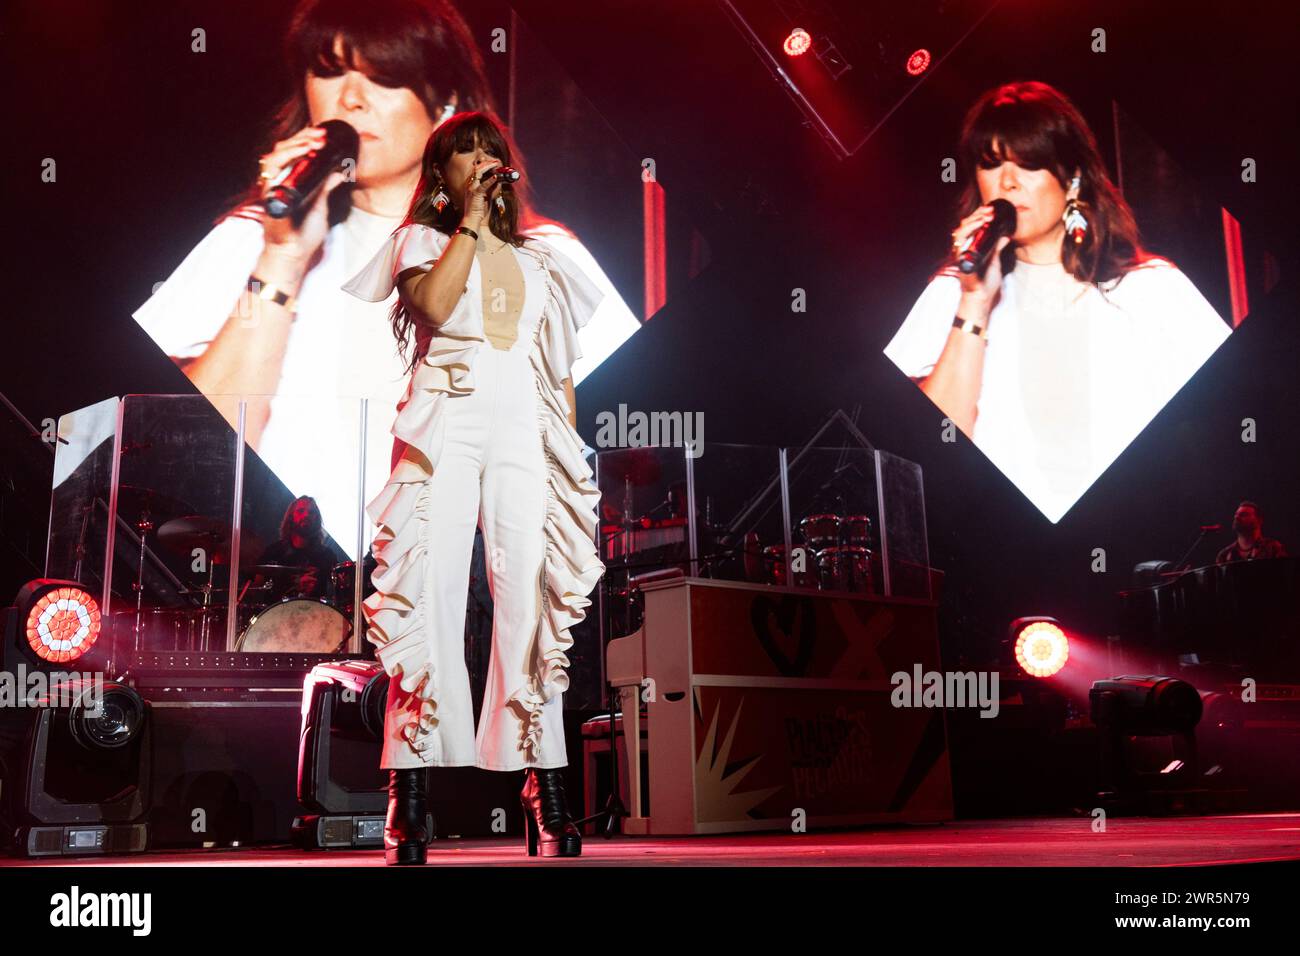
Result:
[
  {"x": 975, "y": 258},
  {"x": 291, "y": 191}
]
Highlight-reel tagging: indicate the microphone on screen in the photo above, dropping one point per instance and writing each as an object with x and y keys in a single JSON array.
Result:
[
  {"x": 291, "y": 191},
  {"x": 975, "y": 257}
]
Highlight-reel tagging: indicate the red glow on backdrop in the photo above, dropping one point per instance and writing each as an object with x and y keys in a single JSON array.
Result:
[
  {"x": 918, "y": 62},
  {"x": 798, "y": 42},
  {"x": 63, "y": 625},
  {"x": 655, "y": 247},
  {"x": 1236, "y": 268}
]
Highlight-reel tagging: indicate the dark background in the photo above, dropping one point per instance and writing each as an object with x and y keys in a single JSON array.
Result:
[{"x": 148, "y": 142}]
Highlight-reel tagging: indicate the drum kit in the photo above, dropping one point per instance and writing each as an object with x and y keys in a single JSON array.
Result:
[
  {"x": 835, "y": 555},
  {"x": 836, "y": 547},
  {"x": 833, "y": 549},
  {"x": 270, "y": 613}
]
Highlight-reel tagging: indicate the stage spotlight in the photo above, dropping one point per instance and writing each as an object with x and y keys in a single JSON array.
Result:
[
  {"x": 797, "y": 43},
  {"x": 1138, "y": 772},
  {"x": 60, "y": 620},
  {"x": 82, "y": 784},
  {"x": 918, "y": 62},
  {"x": 107, "y": 717},
  {"x": 1041, "y": 647},
  {"x": 1145, "y": 706},
  {"x": 339, "y": 780},
  {"x": 359, "y": 695}
]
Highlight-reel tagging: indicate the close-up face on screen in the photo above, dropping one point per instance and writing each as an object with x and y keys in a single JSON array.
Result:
[
  {"x": 671, "y": 438},
  {"x": 1050, "y": 336},
  {"x": 395, "y": 76}
]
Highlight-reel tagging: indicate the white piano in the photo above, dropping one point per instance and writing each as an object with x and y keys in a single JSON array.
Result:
[{"x": 768, "y": 708}]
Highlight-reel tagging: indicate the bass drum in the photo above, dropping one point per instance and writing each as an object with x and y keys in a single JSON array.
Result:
[{"x": 302, "y": 625}]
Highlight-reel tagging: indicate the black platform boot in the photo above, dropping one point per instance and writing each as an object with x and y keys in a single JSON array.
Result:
[
  {"x": 405, "y": 830},
  {"x": 546, "y": 815}
]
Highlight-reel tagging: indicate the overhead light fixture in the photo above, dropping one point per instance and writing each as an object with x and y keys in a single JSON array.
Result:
[
  {"x": 797, "y": 43},
  {"x": 918, "y": 62}
]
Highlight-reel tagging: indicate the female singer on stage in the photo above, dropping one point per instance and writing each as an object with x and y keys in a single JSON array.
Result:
[
  {"x": 1074, "y": 337},
  {"x": 486, "y": 434}
]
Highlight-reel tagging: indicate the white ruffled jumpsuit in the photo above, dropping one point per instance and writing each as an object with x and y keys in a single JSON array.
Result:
[{"x": 483, "y": 438}]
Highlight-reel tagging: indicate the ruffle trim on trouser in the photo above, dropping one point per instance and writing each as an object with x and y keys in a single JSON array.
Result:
[
  {"x": 397, "y": 615},
  {"x": 571, "y": 565}
]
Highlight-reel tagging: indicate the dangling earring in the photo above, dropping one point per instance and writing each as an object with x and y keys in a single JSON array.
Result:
[
  {"x": 1076, "y": 224},
  {"x": 440, "y": 198}
]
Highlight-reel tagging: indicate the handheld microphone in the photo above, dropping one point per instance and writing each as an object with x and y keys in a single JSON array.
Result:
[
  {"x": 975, "y": 257},
  {"x": 506, "y": 177},
  {"x": 291, "y": 191}
]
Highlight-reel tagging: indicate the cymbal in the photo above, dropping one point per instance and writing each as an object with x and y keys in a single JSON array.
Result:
[
  {"x": 274, "y": 569},
  {"x": 640, "y": 466},
  {"x": 134, "y": 500},
  {"x": 183, "y": 535}
]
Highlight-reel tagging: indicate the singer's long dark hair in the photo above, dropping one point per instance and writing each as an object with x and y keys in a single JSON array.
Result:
[
  {"x": 423, "y": 45},
  {"x": 1038, "y": 127},
  {"x": 461, "y": 133}
]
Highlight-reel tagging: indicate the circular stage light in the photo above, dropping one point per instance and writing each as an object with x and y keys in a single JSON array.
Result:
[
  {"x": 1042, "y": 649},
  {"x": 63, "y": 624},
  {"x": 918, "y": 62},
  {"x": 797, "y": 42}
]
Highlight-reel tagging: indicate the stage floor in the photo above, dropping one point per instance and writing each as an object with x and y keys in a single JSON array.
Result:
[{"x": 1057, "y": 841}]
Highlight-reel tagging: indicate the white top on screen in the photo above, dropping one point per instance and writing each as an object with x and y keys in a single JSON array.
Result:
[
  {"x": 340, "y": 349},
  {"x": 1072, "y": 374}
]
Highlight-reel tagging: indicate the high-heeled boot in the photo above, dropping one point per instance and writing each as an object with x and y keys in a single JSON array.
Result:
[
  {"x": 406, "y": 833},
  {"x": 547, "y": 823}
]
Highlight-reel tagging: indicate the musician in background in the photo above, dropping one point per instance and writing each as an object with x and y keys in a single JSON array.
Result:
[
  {"x": 302, "y": 544},
  {"x": 1251, "y": 544}
]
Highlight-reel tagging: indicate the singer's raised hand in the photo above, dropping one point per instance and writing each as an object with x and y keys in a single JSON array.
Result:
[
  {"x": 247, "y": 356},
  {"x": 478, "y": 193},
  {"x": 979, "y": 293},
  {"x": 296, "y": 238}
]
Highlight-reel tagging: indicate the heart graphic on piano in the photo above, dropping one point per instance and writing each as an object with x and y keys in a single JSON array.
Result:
[{"x": 785, "y": 626}]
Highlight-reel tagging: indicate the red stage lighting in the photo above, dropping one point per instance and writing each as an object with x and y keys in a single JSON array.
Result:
[
  {"x": 62, "y": 621},
  {"x": 1041, "y": 646},
  {"x": 918, "y": 62},
  {"x": 797, "y": 42}
]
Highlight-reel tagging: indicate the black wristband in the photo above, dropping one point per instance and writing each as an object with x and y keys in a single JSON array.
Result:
[{"x": 467, "y": 231}]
